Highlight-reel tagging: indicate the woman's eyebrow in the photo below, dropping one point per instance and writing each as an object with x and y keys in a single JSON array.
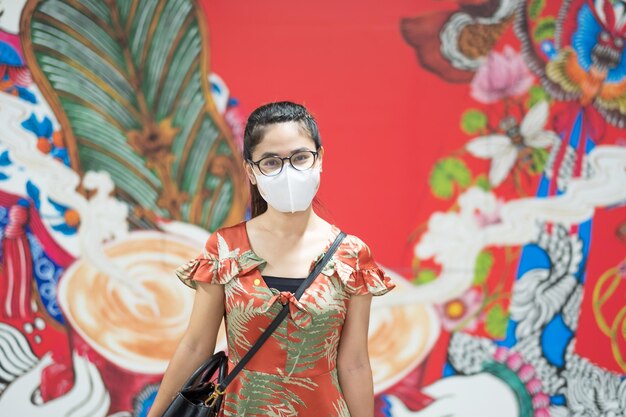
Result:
[{"x": 266, "y": 154}]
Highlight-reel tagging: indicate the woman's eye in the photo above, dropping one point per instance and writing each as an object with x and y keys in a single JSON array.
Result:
[
  {"x": 301, "y": 157},
  {"x": 270, "y": 162}
]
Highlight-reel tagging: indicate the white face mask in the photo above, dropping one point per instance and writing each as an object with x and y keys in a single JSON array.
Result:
[{"x": 291, "y": 190}]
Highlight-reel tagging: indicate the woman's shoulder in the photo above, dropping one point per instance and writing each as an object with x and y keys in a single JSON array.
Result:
[
  {"x": 232, "y": 230},
  {"x": 359, "y": 271},
  {"x": 355, "y": 252},
  {"x": 219, "y": 261},
  {"x": 226, "y": 238}
]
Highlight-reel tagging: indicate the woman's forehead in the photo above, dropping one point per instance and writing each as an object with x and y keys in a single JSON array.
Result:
[{"x": 284, "y": 139}]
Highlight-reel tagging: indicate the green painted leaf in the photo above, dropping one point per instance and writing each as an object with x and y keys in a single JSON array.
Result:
[
  {"x": 445, "y": 174},
  {"x": 535, "y": 8},
  {"x": 128, "y": 82},
  {"x": 496, "y": 322},
  {"x": 440, "y": 185},
  {"x": 484, "y": 262},
  {"x": 473, "y": 121},
  {"x": 482, "y": 181},
  {"x": 539, "y": 158},
  {"x": 424, "y": 276},
  {"x": 545, "y": 29},
  {"x": 537, "y": 94}
]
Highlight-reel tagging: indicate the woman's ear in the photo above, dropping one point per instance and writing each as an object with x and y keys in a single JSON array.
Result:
[
  {"x": 320, "y": 155},
  {"x": 249, "y": 172}
]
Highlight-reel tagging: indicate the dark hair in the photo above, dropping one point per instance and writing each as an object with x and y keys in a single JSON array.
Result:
[{"x": 259, "y": 120}]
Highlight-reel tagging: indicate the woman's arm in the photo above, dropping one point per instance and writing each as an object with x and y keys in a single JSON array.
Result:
[
  {"x": 353, "y": 364},
  {"x": 196, "y": 345}
]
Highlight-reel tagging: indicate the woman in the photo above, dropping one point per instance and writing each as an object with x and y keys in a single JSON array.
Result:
[{"x": 316, "y": 363}]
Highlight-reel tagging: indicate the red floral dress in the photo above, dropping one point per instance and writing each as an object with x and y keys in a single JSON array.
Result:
[{"x": 293, "y": 373}]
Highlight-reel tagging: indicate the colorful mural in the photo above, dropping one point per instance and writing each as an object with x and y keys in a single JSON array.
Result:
[
  {"x": 119, "y": 154},
  {"x": 548, "y": 120}
]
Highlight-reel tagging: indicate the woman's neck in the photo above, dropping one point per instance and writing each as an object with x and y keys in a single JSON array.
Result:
[{"x": 288, "y": 224}]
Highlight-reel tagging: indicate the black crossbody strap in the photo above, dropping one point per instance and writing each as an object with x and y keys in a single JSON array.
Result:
[{"x": 283, "y": 313}]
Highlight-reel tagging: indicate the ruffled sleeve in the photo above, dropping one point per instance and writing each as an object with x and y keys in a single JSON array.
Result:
[
  {"x": 365, "y": 275},
  {"x": 369, "y": 280},
  {"x": 216, "y": 264}
]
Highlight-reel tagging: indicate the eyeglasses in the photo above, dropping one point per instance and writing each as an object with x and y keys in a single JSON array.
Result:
[{"x": 273, "y": 165}]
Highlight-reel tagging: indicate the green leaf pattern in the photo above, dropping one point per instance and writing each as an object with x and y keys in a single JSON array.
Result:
[
  {"x": 484, "y": 262},
  {"x": 239, "y": 315},
  {"x": 319, "y": 340},
  {"x": 473, "y": 121},
  {"x": 128, "y": 82},
  {"x": 264, "y": 394},
  {"x": 545, "y": 29},
  {"x": 446, "y": 173},
  {"x": 535, "y": 8},
  {"x": 496, "y": 322}
]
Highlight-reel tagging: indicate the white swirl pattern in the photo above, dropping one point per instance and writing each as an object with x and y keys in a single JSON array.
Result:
[
  {"x": 467, "y": 353},
  {"x": 22, "y": 370},
  {"x": 538, "y": 296},
  {"x": 16, "y": 356}
]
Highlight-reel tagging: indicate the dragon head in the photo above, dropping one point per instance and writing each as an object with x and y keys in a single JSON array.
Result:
[{"x": 611, "y": 17}]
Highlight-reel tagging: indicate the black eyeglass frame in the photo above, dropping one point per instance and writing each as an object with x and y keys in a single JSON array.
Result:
[{"x": 282, "y": 162}]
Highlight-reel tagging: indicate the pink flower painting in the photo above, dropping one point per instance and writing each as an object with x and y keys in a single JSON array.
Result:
[
  {"x": 500, "y": 76},
  {"x": 461, "y": 312}
]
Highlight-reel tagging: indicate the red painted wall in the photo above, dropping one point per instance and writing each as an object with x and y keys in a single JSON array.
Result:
[{"x": 383, "y": 119}]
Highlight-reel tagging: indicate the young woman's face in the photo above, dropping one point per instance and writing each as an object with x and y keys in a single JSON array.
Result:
[{"x": 282, "y": 139}]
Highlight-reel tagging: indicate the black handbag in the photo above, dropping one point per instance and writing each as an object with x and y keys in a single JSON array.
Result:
[{"x": 201, "y": 395}]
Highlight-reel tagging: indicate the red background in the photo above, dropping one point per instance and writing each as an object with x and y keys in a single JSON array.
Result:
[{"x": 383, "y": 119}]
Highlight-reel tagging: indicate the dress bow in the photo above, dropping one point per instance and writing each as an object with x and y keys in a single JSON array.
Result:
[{"x": 299, "y": 314}]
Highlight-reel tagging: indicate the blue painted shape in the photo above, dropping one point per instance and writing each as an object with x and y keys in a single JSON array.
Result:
[
  {"x": 4, "y": 159},
  {"x": 41, "y": 129},
  {"x": 584, "y": 233},
  {"x": 144, "y": 400},
  {"x": 575, "y": 134},
  {"x": 554, "y": 340},
  {"x": 544, "y": 187},
  {"x": 25, "y": 94},
  {"x": 216, "y": 88},
  {"x": 145, "y": 407},
  {"x": 9, "y": 56},
  {"x": 586, "y": 36},
  {"x": 386, "y": 408},
  {"x": 589, "y": 145},
  {"x": 448, "y": 370},
  {"x": 59, "y": 207},
  {"x": 62, "y": 154},
  {"x": 33, "y": 192},
  {"x": 548, "y": 49},
  {"x": 65, "y": 229},
  {"x": 557, "y": 399},
  {"x": 46, "y": 273},
  {"x": 510, "y": 339},
  {"x": 532, "y": 257}
]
